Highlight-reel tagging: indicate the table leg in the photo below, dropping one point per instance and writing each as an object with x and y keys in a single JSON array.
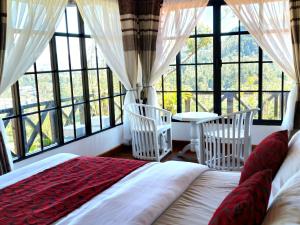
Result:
[{"x": 194, "y": 140}]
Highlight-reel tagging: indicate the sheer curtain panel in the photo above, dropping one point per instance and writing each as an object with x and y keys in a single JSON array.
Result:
[
  {"x": 6, "y": 163},
  {"x": 30, "y": 26},
  {"x": 268, "y": 21},
  {"x": 295, "y": 29},
  {"x": 177, "y": 20},
  {"x": 103, "y": 19}
]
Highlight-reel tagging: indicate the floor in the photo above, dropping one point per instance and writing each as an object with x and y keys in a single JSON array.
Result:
[{"x": 126, "y": 152}]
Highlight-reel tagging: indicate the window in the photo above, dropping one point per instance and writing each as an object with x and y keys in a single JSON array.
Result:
[
  {"x": 69, "y": 93},
  {"x": 222, "y": 69}
]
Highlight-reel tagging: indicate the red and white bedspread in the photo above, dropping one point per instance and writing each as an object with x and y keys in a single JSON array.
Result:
[{"x": 139, "y": 198}]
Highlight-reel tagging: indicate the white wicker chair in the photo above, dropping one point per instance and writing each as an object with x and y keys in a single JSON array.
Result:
[
  {"x": 225, "y": 141},
  {"x": 151, "y": 131}
]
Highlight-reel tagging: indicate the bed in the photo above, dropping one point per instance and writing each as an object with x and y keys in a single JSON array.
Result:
[
  {"x": 173, "y": 192},
  {"x": 157, "y": 193}
]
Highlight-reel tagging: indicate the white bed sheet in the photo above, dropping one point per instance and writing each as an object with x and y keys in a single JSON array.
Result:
[{"x": 139, "y": 198}]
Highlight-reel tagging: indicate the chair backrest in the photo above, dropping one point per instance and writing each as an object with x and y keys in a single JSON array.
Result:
[
  {"x": 226, "y": 140},
  {"x": 146, "y": 111}
]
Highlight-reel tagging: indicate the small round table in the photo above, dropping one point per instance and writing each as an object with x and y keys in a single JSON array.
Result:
[{"x": 193, "y": 118}]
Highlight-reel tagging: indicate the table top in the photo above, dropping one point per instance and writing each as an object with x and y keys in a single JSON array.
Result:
[{"x": 194, "y": 116}]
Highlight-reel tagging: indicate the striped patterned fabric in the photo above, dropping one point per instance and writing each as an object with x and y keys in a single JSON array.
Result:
[
  {"x": 295, "y": 30},
  {"x": 148, "y": 17},
  {"x": 129, "y": 25},
  {"x": 3, "y": 21},
  {"x": 139, "y": 22},
  {"x": 4, "y": 161}
]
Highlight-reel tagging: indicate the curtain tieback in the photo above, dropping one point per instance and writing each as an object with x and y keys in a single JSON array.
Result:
[{"x": 133, "y": 89}]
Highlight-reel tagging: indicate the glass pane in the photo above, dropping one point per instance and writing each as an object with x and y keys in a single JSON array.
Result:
[
  {"x": 249, "y": 48},
  {"x": 188, "y": 78},
  {"x": 101, "y": 61},
  {"x": 118, "y": 110},
  {"x": 229, "y": 21},
  {"x": 116, "y": 85},
  {"x": 205, "y": 102},
  {"x": 10, "y": 128},
  {"x": 170, "y": 102},
  {"x": 32, "y": 133},
  {"x": 205, "y": 77},
  {"x": 170, "y": 80},
  {"x": 31, "y": 69},
  {"x": 65, "y": 88},
  {"x": 266, "y": 57},
  {"x": 205, "y": 51},
  {"x": 50, "y": 128},
  {"x": 105, "y": 113},
  {"x": 91, "y": 53},
  {"x": 62, "y": 53},
  {"x": 272, "y": 77},
  {"x": 188, "y": 52},
  {"x": 6, "y": 104},
  {"x": 43, "y": 63},
  {"x": 93, "y": 85},
  {"x": 75, "y": 53},
  {"x": 46, "y": 95},
  {"x": 271, "y": 106},
  {"x": 72, "y": 19},
  {"x": 62, "y": 25},
  {"x": 230, "y": 77},
  {"x": 288, "y": 83},
  {"x": 158, "y": 85},
  {"x": 68, "y": 124},
  {"x": 160, "y": 100},
  {"x": 188, "y": 102},
  {"x": 249, "y": 76},
  {"x": 27, "y": 88},
  {"x": 103, "y": 83},
  {"x": 95, "y": 116},
  {"x": 79, "y": 120},
  {"x": 77, "y": 86},
  {"x": 230, "y": 48},
  {"x": 205, "y": 26},
  {"x": 249, "y": 100},
  {"x": 230, "y": 102}
]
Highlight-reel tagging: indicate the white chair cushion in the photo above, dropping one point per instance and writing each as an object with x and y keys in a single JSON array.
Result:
[
  {"x": 289, "y": 167},
  {"x": 286, "y": 204}
]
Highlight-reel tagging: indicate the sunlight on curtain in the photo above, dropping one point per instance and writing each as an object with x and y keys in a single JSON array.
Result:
[
  {"x": 103, "y": 19},
  {"x": 177, "y": 20},
  {"x": 268, "y": 21},
  {"x": 30, "y": 26}
]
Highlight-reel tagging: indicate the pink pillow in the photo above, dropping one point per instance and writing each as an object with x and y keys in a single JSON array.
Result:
[{"x": 269, "y": 154}]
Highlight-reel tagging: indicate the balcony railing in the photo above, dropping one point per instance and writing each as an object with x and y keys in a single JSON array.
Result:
[{"x": 47, "y": 110}]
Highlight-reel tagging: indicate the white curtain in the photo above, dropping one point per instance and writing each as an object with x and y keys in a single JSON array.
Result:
[
  {"x": 268, "y": 21},
  {"x": 103, "y": 20},
  {"x": 30, "y": 26},
  {"x": 177, "y": 20}
]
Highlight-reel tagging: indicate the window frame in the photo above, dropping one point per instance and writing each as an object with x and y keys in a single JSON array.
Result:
[
  {"x": 217, "y": 72},
  {"x": 19, "y": 125}
]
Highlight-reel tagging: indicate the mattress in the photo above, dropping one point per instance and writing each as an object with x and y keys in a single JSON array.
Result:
[{"x": 198, "y": 203}]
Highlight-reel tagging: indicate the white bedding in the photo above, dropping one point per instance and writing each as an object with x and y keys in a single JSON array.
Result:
[{"x": 139, "y": 198}]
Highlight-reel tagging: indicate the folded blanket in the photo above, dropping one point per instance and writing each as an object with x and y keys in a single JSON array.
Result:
[{"x": 55, "y": 192}]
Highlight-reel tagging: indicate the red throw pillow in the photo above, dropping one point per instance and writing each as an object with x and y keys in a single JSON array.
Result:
[
  {"x": 269, "y": 154},
  {"x": 247, "y": 204}
]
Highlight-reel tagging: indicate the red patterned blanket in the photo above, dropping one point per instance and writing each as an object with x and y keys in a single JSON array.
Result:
[{"x": 50, "y": 195}]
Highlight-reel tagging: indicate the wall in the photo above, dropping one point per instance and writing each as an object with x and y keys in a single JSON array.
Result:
[
  {"x": 102, "y": 142},
  {"x": 93, "y": 145},
  {"x": 181, "y": 131}
]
